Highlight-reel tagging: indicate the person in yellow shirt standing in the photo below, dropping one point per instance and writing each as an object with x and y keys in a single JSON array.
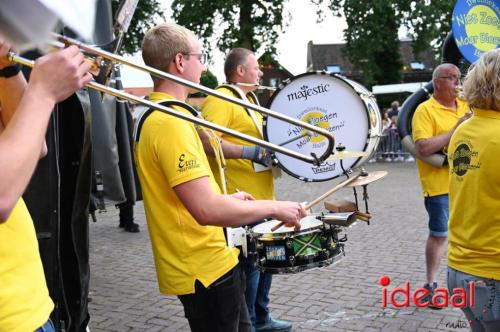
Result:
[
  {"x": 247, "y": 167},
  {"x": 474, "y": 240},
  {"x": 433, "y": 124},
  {"x": 25, "y": 304},
  {"x": 183, "y": 203}
]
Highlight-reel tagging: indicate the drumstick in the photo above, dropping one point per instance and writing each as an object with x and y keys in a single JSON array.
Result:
[{"x": 322, "y": 197}]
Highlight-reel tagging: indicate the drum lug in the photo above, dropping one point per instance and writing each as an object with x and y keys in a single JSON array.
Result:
[
  {"x": 326, "y": 253},
  {"x": 262, "y": 261},
  {"x": 288, "y": 244},
  {"x": 259, "y": 245},
  {"x": 291, "y": 259}
]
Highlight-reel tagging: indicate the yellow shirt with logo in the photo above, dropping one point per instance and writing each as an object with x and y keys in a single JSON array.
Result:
[
  {"x": 240, "y": 173},
  {"x": 170, "y": 153},
  {"x": 433, "y": 119},
  {"x": 25, "y": 304},
  {"x": 474, "y": 226}
]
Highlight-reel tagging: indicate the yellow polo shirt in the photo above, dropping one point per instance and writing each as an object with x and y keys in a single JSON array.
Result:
[
  {"x": 240, "y": 173},
  {"x": 25, "y": 304},
  {"x": 168, "y": 154},
  {"x": 474, "y": 226},
  {"x": 433, "y": 119}
]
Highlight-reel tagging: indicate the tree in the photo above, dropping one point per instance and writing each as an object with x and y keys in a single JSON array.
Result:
[
  {"x": 145, "y": 15},
  {"x": 372, "y": 43},
  {"x": 207, "y": 79},
  {"x": 253, "y": 24}
]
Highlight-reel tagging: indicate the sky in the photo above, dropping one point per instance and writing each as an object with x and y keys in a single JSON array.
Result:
[{"x": 292, "y": 44}]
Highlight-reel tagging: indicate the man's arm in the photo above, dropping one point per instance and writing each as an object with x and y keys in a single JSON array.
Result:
[
  {"x": 54, "y": 78},
  {"x": 209, "y": 208},
  {"x": 428, "y": 146},
  {"x": 11, "y": 92}
]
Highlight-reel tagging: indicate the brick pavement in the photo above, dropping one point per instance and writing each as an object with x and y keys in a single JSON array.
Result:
[{"x": 345, "y": 296}]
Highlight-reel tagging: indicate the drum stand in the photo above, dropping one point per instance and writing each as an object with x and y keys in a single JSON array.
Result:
[{"x": 360, "y": 215}]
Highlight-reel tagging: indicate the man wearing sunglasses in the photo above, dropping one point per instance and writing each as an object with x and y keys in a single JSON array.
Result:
[
  {"x": 184, "y": 207},
  {"x": 433, "y": 123}
]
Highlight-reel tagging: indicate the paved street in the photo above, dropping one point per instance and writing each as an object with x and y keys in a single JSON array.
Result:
[{"x": 345, "y": 296}]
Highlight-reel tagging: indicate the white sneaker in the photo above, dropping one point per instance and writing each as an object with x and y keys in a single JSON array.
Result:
[
  {"x": 410, "y": 159},
  {"x": 388, "y": 160}
]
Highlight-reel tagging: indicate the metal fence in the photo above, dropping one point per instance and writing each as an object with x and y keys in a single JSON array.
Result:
[{"x": 390, "y": 148}]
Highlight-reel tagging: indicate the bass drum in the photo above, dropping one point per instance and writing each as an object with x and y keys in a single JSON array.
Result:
[{"x": 330, "y": 101}]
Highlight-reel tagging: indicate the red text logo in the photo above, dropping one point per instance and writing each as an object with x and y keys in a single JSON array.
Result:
[{"x": 459, "y": 297}]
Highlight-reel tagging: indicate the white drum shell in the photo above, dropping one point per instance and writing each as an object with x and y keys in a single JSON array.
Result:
[{"x": 343, "y": 107}]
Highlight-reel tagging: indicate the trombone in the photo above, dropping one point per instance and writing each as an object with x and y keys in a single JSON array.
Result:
[
  {"x": 313, "y": 159},
  {"x": 257, "y": 86}
]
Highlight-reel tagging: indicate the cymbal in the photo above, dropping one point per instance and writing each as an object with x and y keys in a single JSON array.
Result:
[
  {"x": 364, "y": 180},
  {"x": 347, "y": 154}
]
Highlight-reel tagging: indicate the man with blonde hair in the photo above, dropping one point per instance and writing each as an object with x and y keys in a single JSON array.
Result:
[
  {"x": 247, "y": 167},
  {"x": 434, "y": 122},
  {"x": 474, "y": 240},
  {"x": 184, "y": 206}
]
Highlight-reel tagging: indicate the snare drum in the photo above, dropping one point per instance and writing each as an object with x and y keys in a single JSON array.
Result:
[
  {"x": 288, "y": 251},
  {"x": 343, "y": 107}
]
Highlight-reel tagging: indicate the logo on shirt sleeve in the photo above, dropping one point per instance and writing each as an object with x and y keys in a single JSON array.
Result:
[
  {"x": 186, "y": 164},
  {"x": 462, "y": 159}
]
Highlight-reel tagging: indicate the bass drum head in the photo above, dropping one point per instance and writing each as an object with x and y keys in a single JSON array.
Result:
[{"x": 343, "y": 107}]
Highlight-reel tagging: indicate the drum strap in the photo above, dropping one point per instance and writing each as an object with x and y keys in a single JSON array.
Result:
[
  {"x": 250, "y": 96},
  {"x": 258, "y": 124},
  {"x": 214, "y": 140}
]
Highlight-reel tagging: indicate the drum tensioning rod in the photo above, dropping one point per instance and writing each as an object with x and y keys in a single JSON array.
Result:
[
  {"x": 127, "y": 96},
  {"x": 295, "y": 138},
  {"x": 163, "y": 75}
]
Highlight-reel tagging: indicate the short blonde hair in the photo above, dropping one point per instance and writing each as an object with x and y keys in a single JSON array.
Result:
[
  {"x": 162, "y": 43},
  {"x": 482, "y": 83}
]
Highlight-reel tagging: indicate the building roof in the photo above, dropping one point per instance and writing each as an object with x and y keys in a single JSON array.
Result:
[{"x": 319, "y": 56}]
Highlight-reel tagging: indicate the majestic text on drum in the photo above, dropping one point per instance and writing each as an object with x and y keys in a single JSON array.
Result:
[{"x": 305, "y": 92}]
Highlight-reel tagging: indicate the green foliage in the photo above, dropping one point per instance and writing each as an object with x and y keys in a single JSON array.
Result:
[
  {"x": 246, "y": 23},
  {"x": 371, "y": 36},
  {"x": 145, "y": 16},
  {"x": 209, "y": 80},
  {"x": 372, "y": 43}
]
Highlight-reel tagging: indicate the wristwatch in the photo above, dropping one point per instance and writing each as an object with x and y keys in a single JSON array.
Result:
[{"x": 10, "y": 71}]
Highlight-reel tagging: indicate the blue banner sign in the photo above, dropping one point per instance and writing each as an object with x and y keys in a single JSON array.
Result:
[{"x": 476, "y": 27}]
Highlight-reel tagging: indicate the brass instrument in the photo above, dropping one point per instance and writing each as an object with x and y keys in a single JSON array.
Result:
[
  {"x": 257, "y": 86},
  {"x": 102, "y": 55}
]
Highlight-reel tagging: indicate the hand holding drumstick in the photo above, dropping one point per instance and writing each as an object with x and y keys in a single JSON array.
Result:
[
  {"x": 322, "y": 197},
  {"x": 290, "y": 212}
]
